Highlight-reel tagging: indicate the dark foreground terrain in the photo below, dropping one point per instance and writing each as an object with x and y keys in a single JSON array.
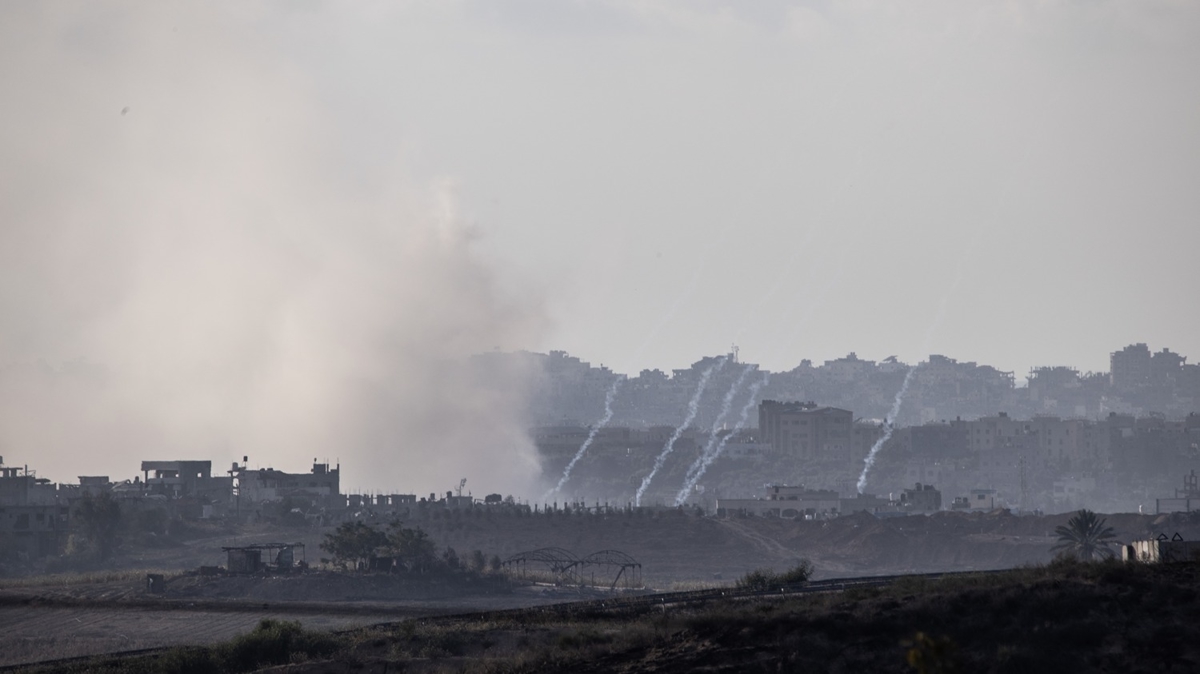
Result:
[{"x": 1068, "y": 616}]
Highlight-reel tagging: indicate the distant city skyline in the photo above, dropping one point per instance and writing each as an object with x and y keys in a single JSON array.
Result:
[{"x": 1020, "y": 376}]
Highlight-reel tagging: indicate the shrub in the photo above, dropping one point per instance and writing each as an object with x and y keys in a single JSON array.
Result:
[
  {"x": 189, "y": 660},
  {"x": 758, "y": 579},
  {"x": 274, "y": 642},
  {"x": 766, "y": 579},
  {"x": 97, "y": 518},
  {"x": 353, "y": 543},
  {"x": 800, "y": 573}
]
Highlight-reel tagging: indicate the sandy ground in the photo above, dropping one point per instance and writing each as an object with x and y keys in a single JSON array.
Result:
[
  {"x": 30, "y": 634},
  {"x": 50, "y": 622}
]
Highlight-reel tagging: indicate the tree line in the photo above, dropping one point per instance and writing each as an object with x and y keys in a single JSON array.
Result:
[{"x": 395, "y": 548}]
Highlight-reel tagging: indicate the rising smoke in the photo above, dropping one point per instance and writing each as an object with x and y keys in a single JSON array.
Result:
[
  {"x": 693, "y": 407},
  {"x": 608, "y": 414},
  {"x": 700, "y": 466},
  {"x": 889, "y": 425},
  {"x": 190, "y": 267},
  {"x": 714, "y": 435}
]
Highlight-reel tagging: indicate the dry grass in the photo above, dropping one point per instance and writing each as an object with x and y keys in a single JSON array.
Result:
[
  {"x": 1062, "y": 617},
  {"x": 73, "y": 578}
]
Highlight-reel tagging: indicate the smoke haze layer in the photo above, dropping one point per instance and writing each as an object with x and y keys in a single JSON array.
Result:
[{"x": 189, "y": 269}]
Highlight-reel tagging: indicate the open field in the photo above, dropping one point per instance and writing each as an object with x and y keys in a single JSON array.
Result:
[
  {"x": 29, "y": 634},
  {"x": 1067, "y": 616},
  {"x": 106, "y": 611},
  {"x": 67, "y": 619},
  {"x": 678, "y": 547}
]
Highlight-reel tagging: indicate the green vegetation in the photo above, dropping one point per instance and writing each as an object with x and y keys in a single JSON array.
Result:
[
  {"x": 1085, "y": 537},
  {"x": 272, "y": 642},
  {"x": 98, "y": 518},
  {"x": 765, "y": 579},
  {"x": 357, "y": 545},
  {"x": 81, "y": 578},
  {"x": 411, "y": 548},
  {"x": 353, "y": 544},
  {"x": 931, "y": 655}
]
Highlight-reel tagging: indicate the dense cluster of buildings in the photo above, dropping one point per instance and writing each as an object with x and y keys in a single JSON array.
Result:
[
  {"x": 1049, "y": 463},
  {"x": 37, "y": 514},
  {"x": 1115, "y": 440},
  {"x": 567, "y": 391}
]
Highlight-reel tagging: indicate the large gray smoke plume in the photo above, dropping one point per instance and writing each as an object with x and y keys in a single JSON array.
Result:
[{"x": 188, "y": 271}]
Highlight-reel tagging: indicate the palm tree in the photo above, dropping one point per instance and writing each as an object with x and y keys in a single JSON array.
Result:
[{"x": 1085, "y": 536}]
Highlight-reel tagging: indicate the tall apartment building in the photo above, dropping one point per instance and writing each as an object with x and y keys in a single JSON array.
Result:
[
  {"x": 1130, "y": 366},
  {"x": 805, "y": 430}
]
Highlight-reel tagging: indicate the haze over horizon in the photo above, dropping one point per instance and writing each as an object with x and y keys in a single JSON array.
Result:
[{"x": 263, "y": 229}]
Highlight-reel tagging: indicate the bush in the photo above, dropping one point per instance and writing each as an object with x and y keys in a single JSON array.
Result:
[
  {"x": 758, "y": 580},
  {"x": 189, "y": 660},
  {"x": 766, "y": 579},
  {"x": 797, "y": 574},
  {"x": 353, "y": 543},
  {"x": 274, "y": 642}
]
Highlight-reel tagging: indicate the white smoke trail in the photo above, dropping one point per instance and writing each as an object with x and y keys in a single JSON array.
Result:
[
  {"x": 726, "y": 405},
  {"x": 936, "y": 323},
  {"x": 698, "y": 469},
  {"x": 608, "y": 414},
  {"x": 693, "y": 407},
  {"x": 889, "y": 424}
]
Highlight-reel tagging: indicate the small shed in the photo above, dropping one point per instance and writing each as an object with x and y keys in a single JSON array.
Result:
[
  {"x": 249, "y": 558},
  {"x": 243, "y": 560}
]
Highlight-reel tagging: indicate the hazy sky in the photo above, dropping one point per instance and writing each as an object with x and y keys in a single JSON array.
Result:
[
  {"x": 231, "y": 228},
  {"x": 834, "y": 171}
]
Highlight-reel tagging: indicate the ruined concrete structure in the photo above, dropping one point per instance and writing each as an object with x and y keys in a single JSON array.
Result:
[
  {"x": 256, "y": 485},
  {"x": 180, "y": 479},
  {"x": 33, "y": 522}
]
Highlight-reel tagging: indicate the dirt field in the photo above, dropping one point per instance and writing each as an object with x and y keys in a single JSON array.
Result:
[
  {"x": 1066, "y": 616},
  {"x": 41, "y": 622},
  {"x": 683, "y": 549},
  {"x": 675, "y": 548},
  {"x": 30, "y": 634}
]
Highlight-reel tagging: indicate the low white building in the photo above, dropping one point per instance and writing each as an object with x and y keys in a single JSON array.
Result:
[{"x": 1162, "y": 549}]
